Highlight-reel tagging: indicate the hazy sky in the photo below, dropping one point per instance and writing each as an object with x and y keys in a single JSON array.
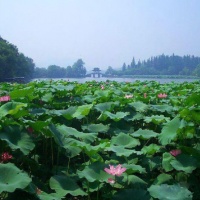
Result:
[{"x": 101, "y": 32}]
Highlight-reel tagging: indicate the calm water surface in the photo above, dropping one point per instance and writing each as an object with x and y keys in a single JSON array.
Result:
[{"x": 163, "y": 80}]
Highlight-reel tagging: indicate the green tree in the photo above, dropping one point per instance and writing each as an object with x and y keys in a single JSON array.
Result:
[
  {"x": 185, "y": 71},
  {"x": 54, "y": 71},
  {"x": 124, "y": 67},
  {"x": 133, "y": 63},
  {"x": 13, "y": 63},
  {"x": 196, "y": 72},
  {"x": 110, "y": 71},
  {"x": 78, "y": 68},
  {"x": 40, "y": 72},
  {"x": 69, "y": 71}
]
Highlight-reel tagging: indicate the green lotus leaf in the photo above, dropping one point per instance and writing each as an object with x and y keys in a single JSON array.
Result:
[
  {"x": 63, "y": 185},
  {"x": 156, "y": 119},
  {"x": 103, "y": 94},
  {"x": 11, "y": 108},
  {"x": 192, "y": 100},
  {"x": 144, "y": 134},
  {"x": 82, "y": 111},
  {"x": 169, "y": 131},
  {"x": 47, "y": 97},
  {"x": 167, "y": 158},
  {"x": 17, "y": 139},
  {"x": 73, "y": 150},
  {"x": 162, "y": 108},
  {"x": 191, "y": 114},
  {"x": 136, "y": 194},
  {"x": 184, "y": 163},
  {"x": 101, "y": 146},
  {"x": 12, "y": 178},
  {"x": 192, "y": 151},
  {"x": 63, "y": 87},
  {"x": 96, "y": 128},
  {"x": 69, "y": 131},
  {"x": 116, "y": 117},
  {"x": 55, "y": 112},
  {"x": 38, "y": 125},
  {"x": 151, "y": 149},
  {"x": 163, "y": 178},
  {"x": 139, "y": 106},
  {"x": 38, "y": 111},
  {"x": 69, "y": 87},
  {"x": 132, "y": 168},
  {"x": 76, "y": 143},
  {"x": 108, "y": 106},
  {"x": 169, "y": 192},
  {"x": 94, "y": 186},
  {"x": 120, "y": 150},
  {"x": 182, "y": 177},
  {"x": 195, "y": 115},
  {"x": 134, "y": 117},
  {"x": 94, "y": 172},
  {"x": 88, "y": 98},
  {"x": 58, "y": 137},
  {"x": 21, "y": 93},
  {"x": 102, "y": 117},
  {"x": 51, "y": 196},
  {"x": 134, "y": 180},
  {"x": 71, "y": 147},
  {"x": 125, "y": 141},
  {"x": 94, "y": 156},
  {"x": 88, "y": 148},
  {"x": 152, "y": 162},
  {"x": 68, "y": 114}
]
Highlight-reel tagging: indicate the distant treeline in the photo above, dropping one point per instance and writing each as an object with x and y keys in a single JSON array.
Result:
[
  {"x": 16, "y": 64},
  {"x": 161, "y": 65},
  {"x": 53, "y": 71}
]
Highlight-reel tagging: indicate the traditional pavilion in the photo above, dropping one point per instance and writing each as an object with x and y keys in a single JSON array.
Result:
[{"x": 96, "y": 72}]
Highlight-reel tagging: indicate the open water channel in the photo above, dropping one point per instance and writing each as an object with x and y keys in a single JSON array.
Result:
[{"x": 160, "y": 80}]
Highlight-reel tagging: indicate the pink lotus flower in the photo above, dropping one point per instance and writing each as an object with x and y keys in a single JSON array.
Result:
[
  {"x": 102, "y": 87},
  {"x": 145, "y": 95},
  {"x": 118, "y": 170},
  {"x": 5, "y": 98},
  {"x": 128, "y": 96},
  {"x": 5, "y": 156},
  {"x": 110, "y": 180},
  {"x": 175, "y": 152},
  {"x": 162, "y": 95}
]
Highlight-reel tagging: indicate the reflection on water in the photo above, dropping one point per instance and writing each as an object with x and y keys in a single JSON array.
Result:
[{"x": 83, "y": 80}]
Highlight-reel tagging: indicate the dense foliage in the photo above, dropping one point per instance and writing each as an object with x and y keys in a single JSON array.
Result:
[
  {"x": 77, "y": 70},
  {"x": 14, "y": 64},
  {"x": 161, "y": 65},
  {"x": 57, "y": 140}
]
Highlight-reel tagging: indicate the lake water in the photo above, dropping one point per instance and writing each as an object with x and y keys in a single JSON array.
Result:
[{"x": 160, "y": 80}]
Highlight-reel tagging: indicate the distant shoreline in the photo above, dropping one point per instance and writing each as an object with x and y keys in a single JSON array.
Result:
[
  {"x": 155, "y": 76},
  {"x": 121, "y": 79},
  {"x": 130, "y": 76}
]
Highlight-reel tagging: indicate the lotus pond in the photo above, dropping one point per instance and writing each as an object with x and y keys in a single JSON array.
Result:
[{"x": 100, "y": 140}]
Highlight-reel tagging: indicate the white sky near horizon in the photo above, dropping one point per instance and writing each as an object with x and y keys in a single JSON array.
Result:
[{"x": 101, "y": 32}]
